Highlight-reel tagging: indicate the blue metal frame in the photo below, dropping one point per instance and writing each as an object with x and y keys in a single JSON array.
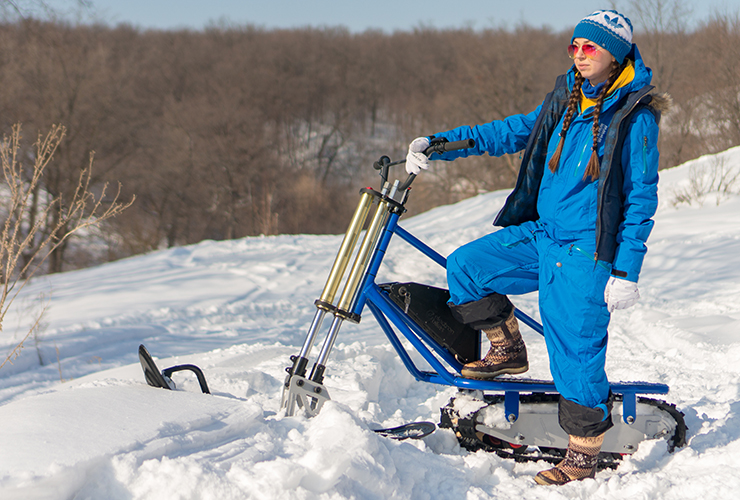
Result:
[{"x": 388, "y": 315}]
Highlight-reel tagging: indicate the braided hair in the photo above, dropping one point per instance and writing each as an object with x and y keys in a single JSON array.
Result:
[{"x": 593, "y": 168}]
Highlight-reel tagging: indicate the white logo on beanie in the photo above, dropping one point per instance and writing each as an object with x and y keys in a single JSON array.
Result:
[{"x": 614, "y": 22}]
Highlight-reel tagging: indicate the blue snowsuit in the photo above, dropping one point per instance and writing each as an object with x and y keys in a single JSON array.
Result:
[{"x": 564, "y": 235}]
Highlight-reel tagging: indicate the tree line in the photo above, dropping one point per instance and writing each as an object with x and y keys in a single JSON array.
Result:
[{"x": 235, "y": 130}]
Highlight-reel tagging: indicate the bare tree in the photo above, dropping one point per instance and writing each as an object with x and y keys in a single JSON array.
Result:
[
  {"x": 722, "y": 96},
  {"x": 22, "y": 9},
  {"x": 662, "y": 27},
  {"x": 25, "y": 241}
]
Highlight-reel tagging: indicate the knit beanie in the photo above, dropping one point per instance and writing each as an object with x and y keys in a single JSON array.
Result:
[{"x": 609, "y": 29}]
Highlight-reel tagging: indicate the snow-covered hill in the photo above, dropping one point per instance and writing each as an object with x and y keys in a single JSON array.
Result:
[{"x": 78, "y": 421}]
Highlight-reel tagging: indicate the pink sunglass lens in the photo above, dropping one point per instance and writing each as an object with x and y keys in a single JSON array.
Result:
[{"x": 589, "y": 51}]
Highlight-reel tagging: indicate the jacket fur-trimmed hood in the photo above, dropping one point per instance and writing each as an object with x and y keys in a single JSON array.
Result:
[{"x": 662, "y": 101}]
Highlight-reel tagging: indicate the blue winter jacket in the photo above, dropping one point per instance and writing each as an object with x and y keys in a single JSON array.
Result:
[{"x": 617, "y": 208}]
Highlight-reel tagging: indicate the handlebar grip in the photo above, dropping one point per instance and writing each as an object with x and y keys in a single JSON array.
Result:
[
  {"x": 439, "y": 147},
  {"x": 442, "y": 147},
  {"x": 454, "y": 146}
]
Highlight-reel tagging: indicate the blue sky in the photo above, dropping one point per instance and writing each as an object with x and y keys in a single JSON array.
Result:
[{"x": 388, "y": 15}]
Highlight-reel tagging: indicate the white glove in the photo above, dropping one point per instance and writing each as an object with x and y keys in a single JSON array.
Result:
[
  {"x": 416, "y": 159},
  {"x": 620, "y": 294}
]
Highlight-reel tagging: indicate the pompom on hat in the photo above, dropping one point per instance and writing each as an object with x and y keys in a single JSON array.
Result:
[{"x": 609, "y": 29}]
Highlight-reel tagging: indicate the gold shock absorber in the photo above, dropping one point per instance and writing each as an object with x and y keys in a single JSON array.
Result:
[
  {"x": 362, "y": 261},
  {"x": 359, "y": 268},
  {"x": 345, "y": 251}
]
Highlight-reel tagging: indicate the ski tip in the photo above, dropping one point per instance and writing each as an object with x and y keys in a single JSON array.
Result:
[
  {"x": 152, "y": 375},
  {"x": 412, "y": 430}
]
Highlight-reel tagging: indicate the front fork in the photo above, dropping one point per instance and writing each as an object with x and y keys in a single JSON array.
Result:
[{"x": 309, "y": 393}]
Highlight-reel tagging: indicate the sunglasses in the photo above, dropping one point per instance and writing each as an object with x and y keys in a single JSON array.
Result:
[{"x": 589, "y": 50}]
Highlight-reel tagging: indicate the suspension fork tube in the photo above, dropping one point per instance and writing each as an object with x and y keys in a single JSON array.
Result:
[
  {"x": 363, "y": 257},
  {"x": 324, "y": 303},
  {"x": 301, "y": 361},
  {"x": 345, "y": 250},
  {"x": 317, "y": 372},
  {"x": 359, "y": 268}
]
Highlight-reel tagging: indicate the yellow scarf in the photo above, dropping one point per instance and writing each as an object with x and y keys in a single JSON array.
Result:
[{"x": 627, "y": 75}]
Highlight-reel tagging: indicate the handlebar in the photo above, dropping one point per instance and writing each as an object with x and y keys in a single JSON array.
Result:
[{"x": 438, "y": 147}]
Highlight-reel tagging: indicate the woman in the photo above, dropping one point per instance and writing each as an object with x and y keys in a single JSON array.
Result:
[{"x": 574, "y": 227}]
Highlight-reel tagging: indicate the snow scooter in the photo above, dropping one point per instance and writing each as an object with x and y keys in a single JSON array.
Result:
[{"x": 513, "y": 417}]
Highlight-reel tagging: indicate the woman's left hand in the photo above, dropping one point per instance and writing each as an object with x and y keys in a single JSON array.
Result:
[{"x": 620, "y": 294}]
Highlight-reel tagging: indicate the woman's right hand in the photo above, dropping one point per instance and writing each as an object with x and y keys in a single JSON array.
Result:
[{"x": 416, "y": 160}]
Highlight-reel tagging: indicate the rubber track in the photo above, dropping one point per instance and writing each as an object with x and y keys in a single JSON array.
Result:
[{"x": 468, "y": 439}]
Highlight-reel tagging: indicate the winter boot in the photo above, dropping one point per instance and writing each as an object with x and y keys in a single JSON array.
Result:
[
  {"x": 579, "y": 462},
  {"x": 507, "y": 354}
]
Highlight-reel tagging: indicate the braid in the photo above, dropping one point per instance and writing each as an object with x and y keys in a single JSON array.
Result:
[
  {"x": 575, "y": 99},
  {"x": 593, "y": 168}
]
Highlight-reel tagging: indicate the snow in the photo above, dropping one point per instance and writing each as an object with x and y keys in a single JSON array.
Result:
[{"x": 79, "y": 422}]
